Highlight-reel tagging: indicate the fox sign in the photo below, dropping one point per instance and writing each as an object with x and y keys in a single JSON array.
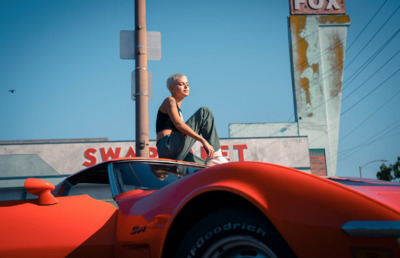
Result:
[{"x": 301, "y": 7}]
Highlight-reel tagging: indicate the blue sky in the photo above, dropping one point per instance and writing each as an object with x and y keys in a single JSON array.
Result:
[{"x": 62, "y": 59}]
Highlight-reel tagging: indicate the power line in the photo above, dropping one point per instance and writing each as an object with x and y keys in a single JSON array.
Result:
[
  {"x": 334, "y": 70},
  {"x": 377, "y": 137},
  {"x": 380, "y": 135},
  {"x": 370, "y": 40},
  {"x": 372, "y": 114},
  {"x": 370, "y": 20},
  {"x": 306, "y": 38},
  {"x": 375, "y": 110},
  {"x": 332, "y": 98},
  {"x": 393, "y": 96},
  {"x": 372, "y": 75},
  {"x": 369, "y": 61},
  {"x": 351, "y": 107}
]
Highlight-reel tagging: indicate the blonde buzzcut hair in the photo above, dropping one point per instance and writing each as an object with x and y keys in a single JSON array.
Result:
[{"x": 173, "y": 78}]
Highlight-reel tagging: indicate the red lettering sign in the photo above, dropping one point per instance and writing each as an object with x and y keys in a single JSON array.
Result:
[
  {"x": 203, "y": 153},
  {"x": 224, "y": 153},
  {"x": 317, "y": 7},
  {"x": 115, "y": 152},
  {"x": 153, "y": 152},
  {"x": 240, "y": 149},
  {"x": 110, "y": 154},
  {"x": 131, "y": 153},
  {"x": 223, "y": 147},
  {"x": 89, "y": 155}
]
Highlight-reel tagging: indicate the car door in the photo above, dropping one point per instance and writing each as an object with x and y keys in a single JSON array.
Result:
[{"x": 76, "y": 225}]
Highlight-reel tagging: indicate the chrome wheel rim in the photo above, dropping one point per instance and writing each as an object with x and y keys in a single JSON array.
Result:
[{"x": 239, "y": 247}]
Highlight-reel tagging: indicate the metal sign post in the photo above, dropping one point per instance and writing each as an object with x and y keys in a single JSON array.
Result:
[
  {"x": 141, "y": 45},
  {"x": 141, "y": 93}
]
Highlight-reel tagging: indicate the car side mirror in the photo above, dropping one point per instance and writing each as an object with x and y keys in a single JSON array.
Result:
[{"x": 42, "y": 189}]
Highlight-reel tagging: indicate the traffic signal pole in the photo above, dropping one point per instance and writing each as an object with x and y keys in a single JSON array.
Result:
[{"x": 141, "y": 81}]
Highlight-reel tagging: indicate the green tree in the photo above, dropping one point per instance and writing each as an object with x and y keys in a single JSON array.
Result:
[{"x": 385, "y": 172}]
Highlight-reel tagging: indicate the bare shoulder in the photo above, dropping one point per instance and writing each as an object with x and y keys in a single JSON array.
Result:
[
  {"x": 170, "y": 100},
  {"x": 168, "y": 103}
]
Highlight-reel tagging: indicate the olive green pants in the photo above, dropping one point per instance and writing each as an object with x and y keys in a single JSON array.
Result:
[{"x": 177, "y": 145}]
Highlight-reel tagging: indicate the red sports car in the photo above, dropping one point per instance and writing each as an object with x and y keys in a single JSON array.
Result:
[{"x": 161, "y": 208}]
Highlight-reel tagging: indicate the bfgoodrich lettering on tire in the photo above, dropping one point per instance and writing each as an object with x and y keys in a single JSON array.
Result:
[{"x": 233, "y": 232}]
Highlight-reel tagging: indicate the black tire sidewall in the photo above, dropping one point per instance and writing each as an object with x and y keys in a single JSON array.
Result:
[{"x": 228, "y": 222}]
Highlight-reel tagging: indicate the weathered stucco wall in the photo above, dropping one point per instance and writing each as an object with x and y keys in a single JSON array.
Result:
[
  {"x": 49, "y": 159},
  {"x": 318, "y": 45}
]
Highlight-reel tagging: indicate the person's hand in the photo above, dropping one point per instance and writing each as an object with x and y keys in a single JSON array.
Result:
[{"x": 209, "y": 149}]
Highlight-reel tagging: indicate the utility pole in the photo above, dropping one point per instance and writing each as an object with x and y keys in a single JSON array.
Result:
[{"x": 141, "y": 81}]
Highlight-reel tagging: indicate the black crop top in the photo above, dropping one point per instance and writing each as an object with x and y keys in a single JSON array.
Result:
[{"x": 163, "y": 121}]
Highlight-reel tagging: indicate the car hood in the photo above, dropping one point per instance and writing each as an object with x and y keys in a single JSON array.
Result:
[{"x": 386, "y": 193}]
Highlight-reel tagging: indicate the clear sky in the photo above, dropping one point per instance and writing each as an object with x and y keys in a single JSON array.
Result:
[{"x": 62, "y": 59}]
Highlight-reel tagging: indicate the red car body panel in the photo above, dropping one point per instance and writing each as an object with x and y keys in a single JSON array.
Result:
[
  {"x": 308, "y": 211},
  {"x": 78, "y": 223},
  {"x": 295, "y": 211}
]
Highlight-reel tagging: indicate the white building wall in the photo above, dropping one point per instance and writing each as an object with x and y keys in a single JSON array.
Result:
[
  {"x": 49, "y": 159},
  {"x": 317, "y": 46}
]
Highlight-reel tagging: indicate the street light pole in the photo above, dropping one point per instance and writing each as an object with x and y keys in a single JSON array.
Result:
[
  {"x": 141, "y": 81},
  {"x": 382, "y": 160}
]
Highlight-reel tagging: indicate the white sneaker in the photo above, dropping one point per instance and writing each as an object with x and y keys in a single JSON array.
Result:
[{"x": 218, "y": 159}]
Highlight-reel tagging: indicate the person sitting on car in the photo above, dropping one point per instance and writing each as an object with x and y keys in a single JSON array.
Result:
[{"x": 175, "y": 138}]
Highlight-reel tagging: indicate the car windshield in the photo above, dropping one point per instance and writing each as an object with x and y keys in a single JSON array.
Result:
[
  {"x": 126, "y": 176},
  {"x": 93, "y": 182},
  {"x": 148, "y": 176},
  {"x": 363, "y": 182}
]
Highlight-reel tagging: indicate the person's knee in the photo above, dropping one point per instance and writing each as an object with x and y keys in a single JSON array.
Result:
[{"x": 206, "y": 110}]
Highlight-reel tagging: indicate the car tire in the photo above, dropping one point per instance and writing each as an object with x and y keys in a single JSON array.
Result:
[{"x": 233, "y": 232}]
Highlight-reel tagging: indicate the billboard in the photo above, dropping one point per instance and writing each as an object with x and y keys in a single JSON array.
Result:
[
  {"x": 305, "y": 7},
  {"x": 43, "y": 158}
]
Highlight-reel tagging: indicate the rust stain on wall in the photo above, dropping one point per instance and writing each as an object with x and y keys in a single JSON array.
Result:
[
  {"x": 332, "y": 19},
  {"x": 337, "y": 62},
  {"x": 299, "y": 23},
  {"x": 315, "y": 68}
]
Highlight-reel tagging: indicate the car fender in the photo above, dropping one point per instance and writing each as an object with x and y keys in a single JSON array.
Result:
[{"x": 75, "y": 225}]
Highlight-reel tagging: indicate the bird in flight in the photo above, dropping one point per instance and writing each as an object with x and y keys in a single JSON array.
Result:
[{"x": 12, "y": 91}]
